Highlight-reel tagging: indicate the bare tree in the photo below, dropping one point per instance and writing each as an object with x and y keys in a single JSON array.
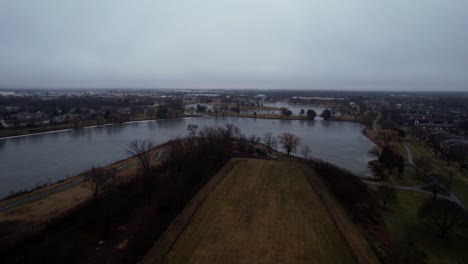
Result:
[
  {"x": 274, "y": 144},
  {"x": 422, "y": 166},
  {"x": 232, "y": 131},
  {"x": 439, "y": 185},
  {"x": 374, "y": 152},
  {"x": 270, "y": 141},
  {"x": 444, "y": 214},
  {"x": 99, "y": 180},
  {"x": 290, "y": 142},
  {"x": 253, "y": 140},
  {"x": 192, "y": 129},
  {"x": 142, "y": 149},
  {"x": 305, "y": 151},
  {"x": 386, "y": 194}
]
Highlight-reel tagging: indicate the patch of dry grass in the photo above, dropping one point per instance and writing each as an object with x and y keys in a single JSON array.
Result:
[{"x": 262, "y": 212}]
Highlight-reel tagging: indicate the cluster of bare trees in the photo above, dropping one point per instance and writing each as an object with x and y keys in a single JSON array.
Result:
[
  {"x": 142, "y": 149},
  {"x": 203, "y": 150},
  {"x": 288, "y": 141},
  {"x": 99, "y": 181}
]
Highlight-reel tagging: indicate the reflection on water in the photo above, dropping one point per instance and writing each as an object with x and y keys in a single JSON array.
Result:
[
  {"x": 296, "y": 108},
  {"x": 31, "y": 160}
]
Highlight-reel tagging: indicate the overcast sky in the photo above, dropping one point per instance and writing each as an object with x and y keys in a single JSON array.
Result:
[{"x": 310, "y": 44}]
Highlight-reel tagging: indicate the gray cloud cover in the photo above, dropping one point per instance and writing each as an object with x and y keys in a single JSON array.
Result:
[{"x": 316, "y": 44}]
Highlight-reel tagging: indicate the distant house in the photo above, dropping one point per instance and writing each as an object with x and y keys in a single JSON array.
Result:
[
  {"x": 260, "y": 98},
  {"x": 8, "y": 93},
  {"x": 458, "y": 114},
  {"x": 436, "y": 127},
  {"x": 456, "y": 143},
  {"x": 3, "y": 124},
  {"x": 61, "y": 118},
  {"x": 438, "y": 136},
  {"x": 415, "y": 119}
]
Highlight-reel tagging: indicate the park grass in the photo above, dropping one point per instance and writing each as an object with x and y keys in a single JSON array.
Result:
[
  {"x": 409, "y": 177},
  {"x": 438, "y": 166},
  {"x": 262, "y": 212},
  {"x": 416, "y": 240}
]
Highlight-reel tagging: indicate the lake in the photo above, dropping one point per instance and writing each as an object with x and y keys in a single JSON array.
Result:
[{"x": 28, "y": 161}]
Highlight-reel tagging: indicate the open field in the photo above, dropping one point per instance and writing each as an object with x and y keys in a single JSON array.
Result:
[
  {"x": 417, "y": 241},
  {"x": 409, "y": 177},
  {"x": 263, "y": 212}
]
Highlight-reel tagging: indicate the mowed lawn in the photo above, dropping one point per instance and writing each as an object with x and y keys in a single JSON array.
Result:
[
  {"x": 415, "y": 240},
  {"x": 261, "y": 212}
]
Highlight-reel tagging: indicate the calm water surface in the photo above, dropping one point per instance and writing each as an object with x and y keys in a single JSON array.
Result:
[{"x": 28, "y": 161}]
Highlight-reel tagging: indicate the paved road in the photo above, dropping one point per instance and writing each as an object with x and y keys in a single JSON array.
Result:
[
  {"x": 410, "y": 156},
  {"x": 35, "y": 197},
  {"x": 416, "y": 188}
]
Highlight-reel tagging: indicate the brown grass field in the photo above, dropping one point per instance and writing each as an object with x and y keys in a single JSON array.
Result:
[{"x": 260, "y": 211}]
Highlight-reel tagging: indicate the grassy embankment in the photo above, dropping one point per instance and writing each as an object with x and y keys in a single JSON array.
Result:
[{"x": 263, "y": 212}]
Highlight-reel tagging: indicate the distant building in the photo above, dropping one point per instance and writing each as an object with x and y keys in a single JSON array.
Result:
[
  {"x": 260, "y": 98},
  {"x": 455, "y": 145},
  {"x": 437, "y": 127},
  {"x": 458, "y": 114},
  {"x": 7, "y": 93},
  {"x": 3, "y": 124}
]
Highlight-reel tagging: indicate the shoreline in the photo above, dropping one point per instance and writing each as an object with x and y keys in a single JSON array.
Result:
[
  {"x": 74, "y": 177},
  {"x": 52, "y": 130},
  {"x": 5, "y": 201}
]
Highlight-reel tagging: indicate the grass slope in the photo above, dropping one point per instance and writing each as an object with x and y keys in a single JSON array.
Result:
[
  {"x": 416, "y": 241},
  {"x": 261, "y": 212}
]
